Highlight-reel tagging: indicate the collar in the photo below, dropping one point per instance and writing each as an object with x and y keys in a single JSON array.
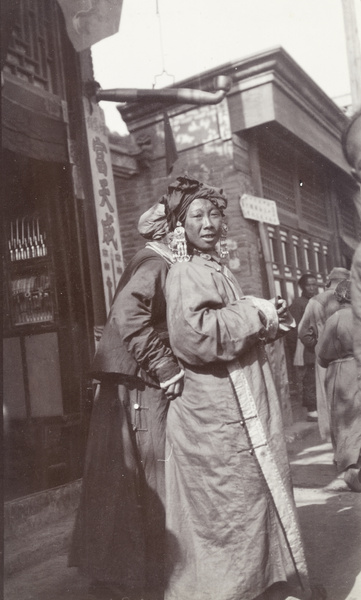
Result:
[{"x": 207, "y": 255}]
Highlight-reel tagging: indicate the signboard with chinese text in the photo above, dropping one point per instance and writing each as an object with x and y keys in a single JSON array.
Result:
[
  {"x": 110, "y": 247},
  {"x": 259, "y": 209}
]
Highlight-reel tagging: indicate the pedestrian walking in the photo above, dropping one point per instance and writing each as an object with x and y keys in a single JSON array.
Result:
[
  {"x": 318, "y": 309},
  {"x": 335, "y": 353},
  {"x": 304, "y": 357},
  {"x": 118, "y": 539},
  {"x": 232, "y": 530}
]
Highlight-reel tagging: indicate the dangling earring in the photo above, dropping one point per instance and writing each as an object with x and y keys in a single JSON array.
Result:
[
  {"x": 223, "y": 250},
  {"x": 178, "y": 244}
]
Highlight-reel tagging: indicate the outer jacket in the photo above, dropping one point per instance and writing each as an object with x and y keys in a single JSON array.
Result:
[
  {"x": 227, "y": 476},
  {"x": 135, "y": 338}
]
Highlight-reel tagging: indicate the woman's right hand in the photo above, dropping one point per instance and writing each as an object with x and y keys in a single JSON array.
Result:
[{"x": 174, "y": 389}]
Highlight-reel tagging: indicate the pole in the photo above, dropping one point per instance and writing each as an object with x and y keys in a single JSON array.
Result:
[{"x": 353, "y": 47}]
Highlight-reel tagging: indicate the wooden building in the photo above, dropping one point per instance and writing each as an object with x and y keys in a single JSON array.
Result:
[
  {"x": 62, "y": 251},
  {"x": 65, "y": 236}
]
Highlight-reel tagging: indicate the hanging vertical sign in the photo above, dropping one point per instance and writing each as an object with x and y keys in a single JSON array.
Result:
[{"x": 110, "y": 247}]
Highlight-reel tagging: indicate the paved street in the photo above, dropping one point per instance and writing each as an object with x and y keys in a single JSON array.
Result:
[{"x": 330, "y": 518}]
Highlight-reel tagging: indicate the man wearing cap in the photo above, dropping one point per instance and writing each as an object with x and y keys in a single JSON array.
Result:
[
  {"x": 318, "y": 309},
  {"x": 303, "y": 357}
]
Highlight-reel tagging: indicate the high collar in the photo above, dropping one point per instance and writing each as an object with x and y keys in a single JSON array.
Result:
[{"x": 207, "y": 255}]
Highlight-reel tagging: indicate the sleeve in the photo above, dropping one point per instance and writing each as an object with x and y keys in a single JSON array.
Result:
[
  {"x": 327, "y": 350},
  {"x": 356, "y": 308},
  {"x": 307, "y": 328},
  {"x": 142, "y": 307},
  {"x": 202, "y": 329}
]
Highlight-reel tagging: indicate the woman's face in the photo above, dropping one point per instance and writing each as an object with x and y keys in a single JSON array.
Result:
[{"x": 203, "y": 224}]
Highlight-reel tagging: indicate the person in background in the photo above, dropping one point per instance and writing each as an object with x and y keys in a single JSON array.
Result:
[
  {"x": 318, "y": 309},
  {"x": 232, "y": 530},
  {"x": 351, "y": 146},
  {"x": 118, "y": 538},
  {"x": 335, "y": 353},
  {"x": 303, "y": 357}
]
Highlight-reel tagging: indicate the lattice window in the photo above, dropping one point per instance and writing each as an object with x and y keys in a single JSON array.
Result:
[
  {"x": 34, "y": 52},
  {"x": 292, "y": 254}
]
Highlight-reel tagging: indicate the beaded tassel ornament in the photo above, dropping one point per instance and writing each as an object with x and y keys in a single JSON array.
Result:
[
  {"x": 223, "y": 250},
  {"x": 178, "y": 244}
]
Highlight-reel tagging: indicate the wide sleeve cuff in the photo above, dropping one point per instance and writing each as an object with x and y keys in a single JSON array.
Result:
[
  {"x": 167, "y": 368},
  {"x": 174, "y": 379}
]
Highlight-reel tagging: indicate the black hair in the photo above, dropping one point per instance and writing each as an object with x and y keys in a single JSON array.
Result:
[{"x": 302, "y": 280}]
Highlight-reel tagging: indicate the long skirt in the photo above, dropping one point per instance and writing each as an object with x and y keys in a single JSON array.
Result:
[{"x": 119, "y": 530}]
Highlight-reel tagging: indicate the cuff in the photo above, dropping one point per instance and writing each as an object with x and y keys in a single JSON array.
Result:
[
  {"x": 167, "y": 369},
  {"x": 174, "y": 379}
]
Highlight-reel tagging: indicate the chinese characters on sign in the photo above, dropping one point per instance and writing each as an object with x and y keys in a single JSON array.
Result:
[
  {"x": 105, "y": 202},
  {"x": 259, "y": 209}
]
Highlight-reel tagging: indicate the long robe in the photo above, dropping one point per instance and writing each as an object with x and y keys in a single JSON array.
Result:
[
  {"x": 230, "y": 515},
  {"x": 119, "y": 531},
  {"x": 335, "y": 352},
  {"x": 318, "y": 309}
]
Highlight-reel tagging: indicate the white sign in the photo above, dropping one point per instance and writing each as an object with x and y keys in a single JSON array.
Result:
[
  {"x": 110, "y": 246},
  {"x": 259, "y": 209}
]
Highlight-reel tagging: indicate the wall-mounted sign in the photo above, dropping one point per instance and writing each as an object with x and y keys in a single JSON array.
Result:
[
  {"x": 259, "y": 209},
  {"x": 110, "y": 247}
]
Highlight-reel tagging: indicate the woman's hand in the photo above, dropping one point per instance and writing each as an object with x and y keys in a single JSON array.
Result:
[
  {"x": 280, "y": 306},
  {"x": 286, "y": 321},
  {"x": 174, "y": 389}
]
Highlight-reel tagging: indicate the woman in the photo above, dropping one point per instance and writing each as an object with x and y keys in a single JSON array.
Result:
[
  {"x": 336, "y": 354},
  {"x": 118, "y": 539},
  {"x": 232, "y": 530}
]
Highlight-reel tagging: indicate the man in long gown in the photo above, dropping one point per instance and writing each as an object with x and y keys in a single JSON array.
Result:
[
  {"x": 318, "y": 309},
  {"x": 304, "y": 358},
  {"x": 335, "y": 353}
]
